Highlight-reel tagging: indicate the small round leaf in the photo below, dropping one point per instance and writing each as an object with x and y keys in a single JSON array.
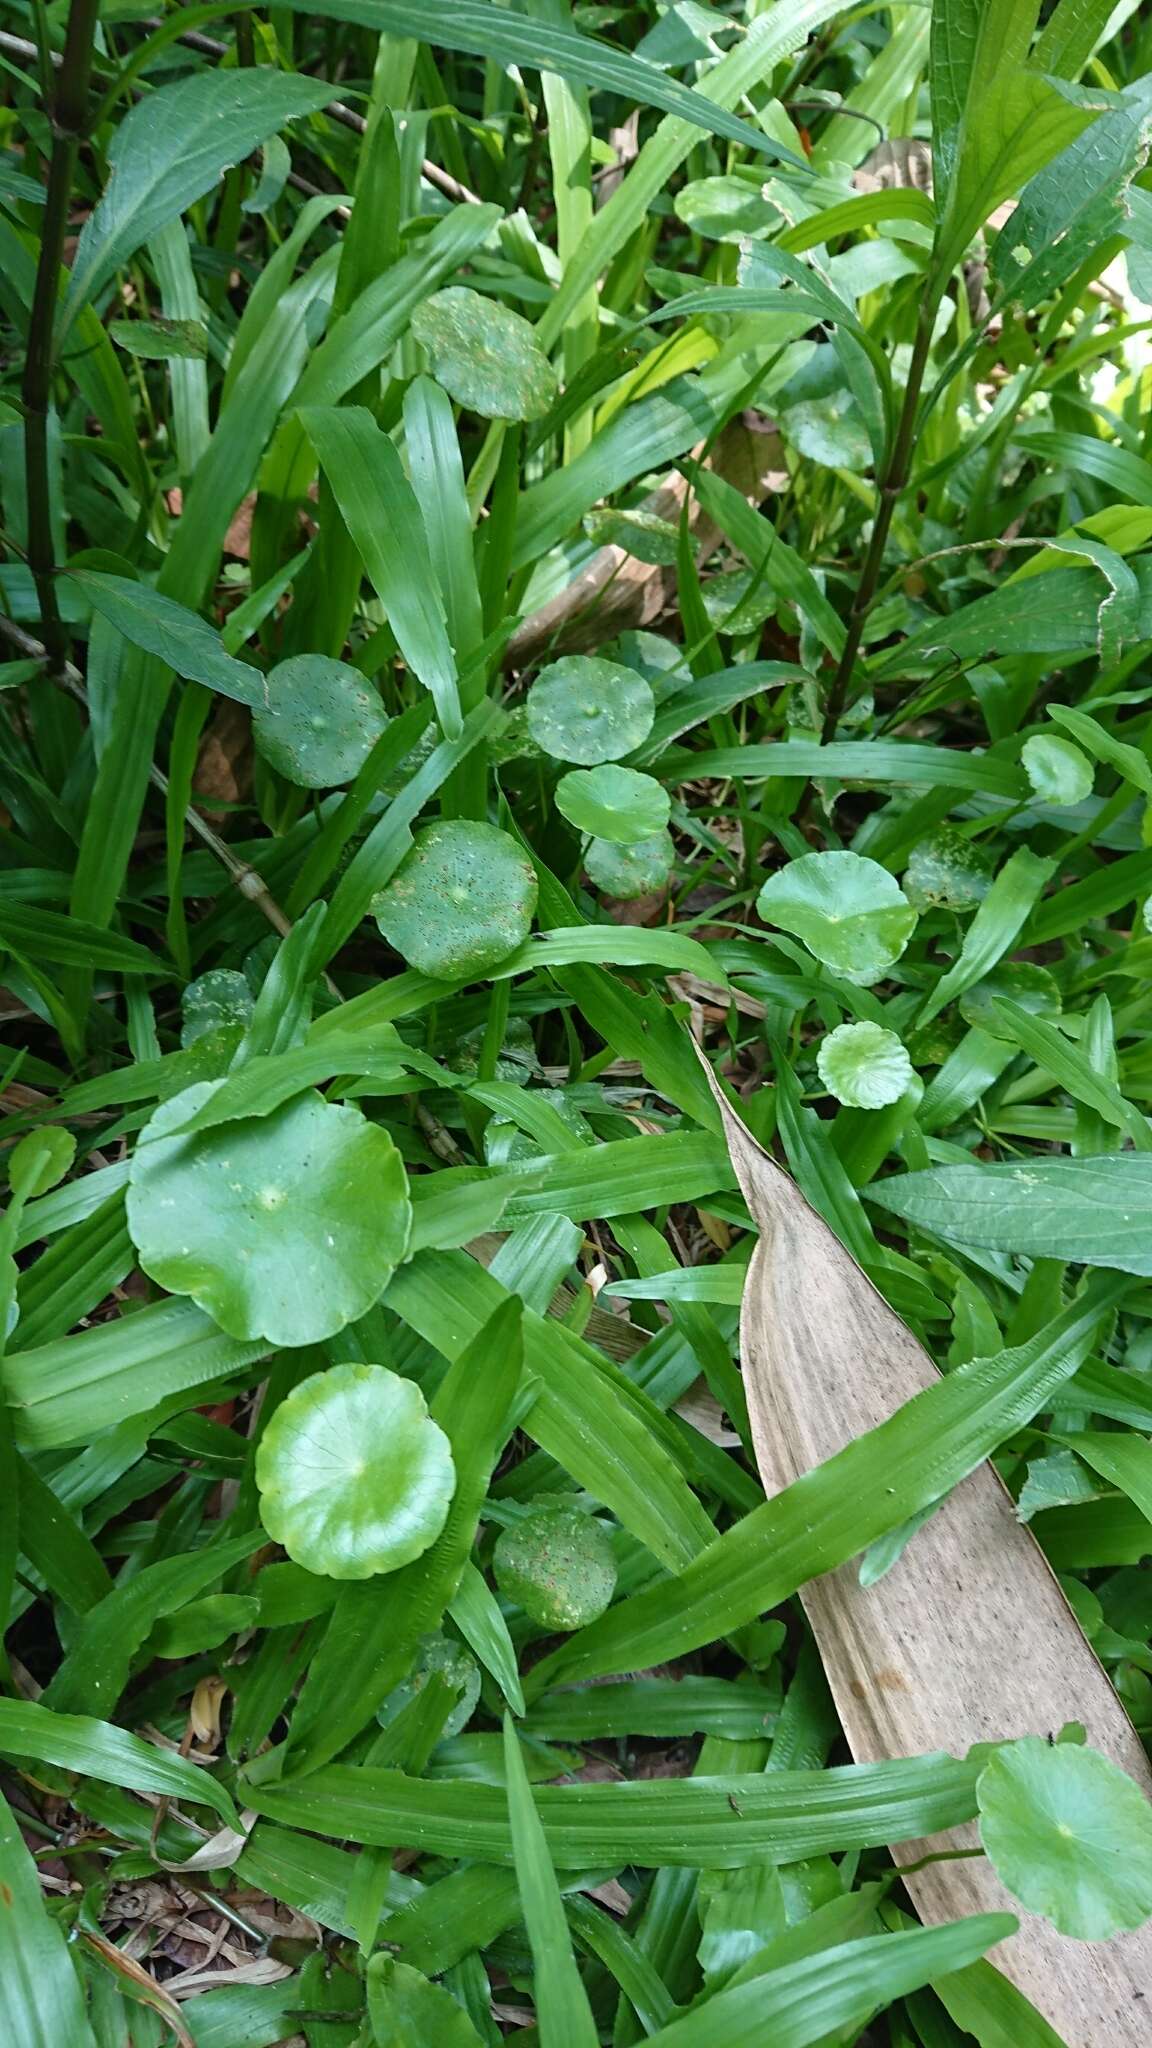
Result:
[
  {"x": 643, "y": 534},
  {"x": 739, "y": 600},
  {"x": 558, "y": 1565},
  {"x": 40, "y": 1160},
  {"x": 460, "y": 902},
  {"x": 354, "y": 1475},
  {"x": 438, "y": 1657},
  {"x": 625, "y": 871},
  {"x": 1058, "y": 771},
  {"x": 849, "y": 911},
  {"x": 285, "y": 1227},
  {"x": 586, "y": 710},
  {"x": 613, "y": 803},
  {"x": 486, "y": 356},
  {"x": 947, "y": 872},
  {"x": 725, "y": 209},
  {"x": 828, "y": 430},
  {"x": 219, "y": 1000},
  {"x": 864, "y": 1066},
  {"x": 321, "y": 721},
  {"x": 1032, "y": 988},
  {"x": 1070, "y": 1835}
]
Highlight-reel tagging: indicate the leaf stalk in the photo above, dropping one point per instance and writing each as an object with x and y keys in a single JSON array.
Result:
[
  {"x": 892, "y": 484},
  {"x": 68, "y": 112}
]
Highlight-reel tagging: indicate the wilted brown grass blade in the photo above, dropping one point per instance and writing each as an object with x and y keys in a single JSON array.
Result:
[{"x": 968, "y": 1638}]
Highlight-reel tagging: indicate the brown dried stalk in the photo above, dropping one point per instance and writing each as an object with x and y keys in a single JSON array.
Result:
[{"x": 968, "y": 1638}]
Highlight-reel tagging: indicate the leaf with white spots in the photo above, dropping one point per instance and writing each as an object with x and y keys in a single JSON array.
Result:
[
  {"x": 635, "y": 870},
  {"x": 485, "y": 355},
  {"x": 586, "y": 710},
  {"x": 321, "y": 721},
  {"x": 460, "y": 902}
]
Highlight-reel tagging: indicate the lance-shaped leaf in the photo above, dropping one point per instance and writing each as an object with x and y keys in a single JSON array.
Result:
[
  {"x": 968, "y": 1637},
  {"x": 509, "y": 37},
  {"x": 1010, "y": 131},
  {"x": 406, "y": 2009},
  {"x": 170, "y": 149},
  {"x": 382, "y": 513},
  {"x": 181, "y": 638},
  {"x": 1097, "y": 1211},
  {"x": 41, "y": 2002}
]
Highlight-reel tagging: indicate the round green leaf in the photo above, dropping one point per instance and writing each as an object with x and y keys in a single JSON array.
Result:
[
  {"x": 321, "y": 721},
  {"x": 586, "y": 710},
  {"x": 725, "y": 209},
  {"x": 1058, "y": 771},
  {"x": 642, "y": 534},
  {"x": 613, "y": 803},
  {"x": 438, "y": 1657},
  {"x": 850, "y": 912},
  {"x": 218, "y": 1000},
  {"x": 625, "y": 871},
  {"x": 354, "y": 1475},
  {"x": 285, "y": 1227},
  {"x": 739, "y": 600},
  {"x": 485, "y": 355},
  {"x": 864, "y": 1066},
  {"x": 1032, "y": 988},
  {"x": 460, "y": 902},
  {"x": 558, "y": 1565},
  {"x": 828, "y": 430},
  {"x": 40, "y": 1160},
  {"x": 947, "y": 872},
  {"x": 1070, "y": 1835}
]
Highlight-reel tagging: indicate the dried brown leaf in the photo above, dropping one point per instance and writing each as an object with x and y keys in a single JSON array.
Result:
[
  {"x": 968, "y": 1638},
  {"x": 146, "y": 1987},
  {"x": 204, "y": 1712}
]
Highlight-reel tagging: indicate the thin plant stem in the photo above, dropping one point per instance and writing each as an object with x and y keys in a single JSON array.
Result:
[
  {"x": 69, "y": 107},
  {"x": 893, "y": 483},
  {"x": 245, "y": 877}
]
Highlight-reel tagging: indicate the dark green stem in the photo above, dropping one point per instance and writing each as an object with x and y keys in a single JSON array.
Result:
[
  {"x": 68, "y": 109},
  {"x": 893, "y": 482}
]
